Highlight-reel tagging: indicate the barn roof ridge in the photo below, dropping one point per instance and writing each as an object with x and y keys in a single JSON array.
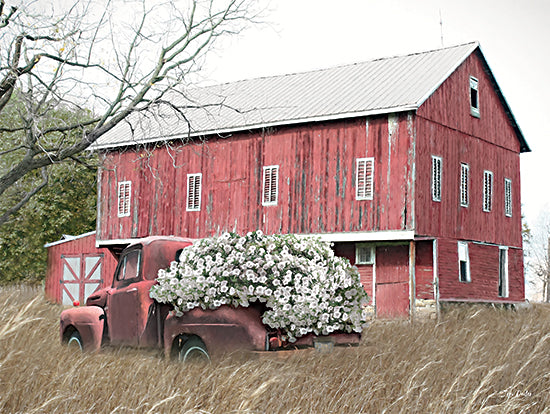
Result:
[
  {"x": 338, "y": 66},
  {"x": 384, "y": 85}
]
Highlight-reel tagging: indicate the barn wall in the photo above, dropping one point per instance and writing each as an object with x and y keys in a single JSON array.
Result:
[
  {"x": 316, "y": 182},
  {"x": 445, "y": 128},
  {"x": 484, "y": 269},
  {"x": 83, "y": 245},
  {"x": 448, "y": 218},
  {"x": 449, "y": 105}
]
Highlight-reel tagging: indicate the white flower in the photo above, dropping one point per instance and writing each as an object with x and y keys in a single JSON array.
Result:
[{"x": 279, "y": 270}]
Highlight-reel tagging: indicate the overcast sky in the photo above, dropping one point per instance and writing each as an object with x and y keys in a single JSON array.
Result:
[{"x": 514, "y": 37}]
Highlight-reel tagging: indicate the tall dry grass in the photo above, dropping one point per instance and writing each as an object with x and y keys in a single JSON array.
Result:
[{"x": 474, "y": 360}]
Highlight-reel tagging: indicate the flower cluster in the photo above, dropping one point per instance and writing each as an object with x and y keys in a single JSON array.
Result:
[{"x": 304, "y": 286}]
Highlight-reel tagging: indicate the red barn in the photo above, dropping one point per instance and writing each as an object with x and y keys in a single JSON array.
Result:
[{"x": 410, "y": 165}]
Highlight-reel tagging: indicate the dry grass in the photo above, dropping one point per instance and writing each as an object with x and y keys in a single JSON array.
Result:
[{"x": 474, "y": 360}]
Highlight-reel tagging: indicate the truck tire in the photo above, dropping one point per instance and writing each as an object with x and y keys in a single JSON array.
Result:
[
  {"x": 75, "y": 342},
  {"x": 193, "y": 350}
]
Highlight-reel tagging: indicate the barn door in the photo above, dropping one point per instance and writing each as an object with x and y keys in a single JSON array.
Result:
[
  {"x": 81, "y": 277},
  {"x": 392, "y": 281}
]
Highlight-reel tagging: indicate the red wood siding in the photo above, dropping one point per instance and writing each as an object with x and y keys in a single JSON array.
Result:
[
  {"x": 424, "y": 276},
  {"x": 80, "y": 246},
  {"x": 450, "y": 106},
  {"x": 366, "y": 273},
  {"x": 316, "y": 182},
  {"x": 445, "y": 128},
  {"x": 484, "y": 272}
]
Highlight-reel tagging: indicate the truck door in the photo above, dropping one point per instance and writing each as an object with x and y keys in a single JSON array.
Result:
[{"x": 123, "y": 301}]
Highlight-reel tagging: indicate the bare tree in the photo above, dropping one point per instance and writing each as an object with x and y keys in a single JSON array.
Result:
[
  {"x": 95, "y": 62},
  {"x": 537, "y": 247}
]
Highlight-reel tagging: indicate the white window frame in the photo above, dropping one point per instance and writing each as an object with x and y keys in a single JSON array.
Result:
[
  {"x": 487, "y": 191},
  {"x": 194, "y": 192},
  {"x": 464, "y": 257},
  {"x": 364, "y": 178},
  {"x": 503, "y": 272},
  {"x": 508, "y": 197},
  {"x": 270, "y": 185},
  {"x": 124, "y": 198},
  {"x": 364, "y": 254},
  {"x": 437, "y": 174},
  {"x": 464, "y": 185},
  {"x": 474, "y": 97}
]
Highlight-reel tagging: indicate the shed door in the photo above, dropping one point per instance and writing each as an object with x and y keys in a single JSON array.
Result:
[
  {"x": 81, "y": 277},
  {"x": 392, "y": 281}
]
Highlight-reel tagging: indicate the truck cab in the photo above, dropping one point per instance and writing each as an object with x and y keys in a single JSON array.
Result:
[{"x": 124, "y": 314}]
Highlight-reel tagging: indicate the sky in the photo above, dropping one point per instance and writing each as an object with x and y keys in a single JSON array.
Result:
[{"x": 302, "y": 35}]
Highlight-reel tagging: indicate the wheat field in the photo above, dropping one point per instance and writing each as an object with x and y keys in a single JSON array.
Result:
[{"x": 474, "y": 359}]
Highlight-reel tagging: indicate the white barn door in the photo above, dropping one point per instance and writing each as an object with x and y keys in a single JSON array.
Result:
[{"x": 81, "y": 276}]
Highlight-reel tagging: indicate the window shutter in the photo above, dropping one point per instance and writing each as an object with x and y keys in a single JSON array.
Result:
[
  {"x": 364, "y": 177},
  {"x": 437, "y": 163},
  {"x": 508, "y": 197},
  {"x": 474, "y": 97},
  {"x": 487, "y": 191},
  {"x": 270, "y": 187},
  {"x": 194, "y": 188},
  {"x": 124, "y": 192},
  {"x": 464, "y": 183}
]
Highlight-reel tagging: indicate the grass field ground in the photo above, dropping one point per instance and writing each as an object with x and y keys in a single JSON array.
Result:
[{"x": 474, "y": 359}]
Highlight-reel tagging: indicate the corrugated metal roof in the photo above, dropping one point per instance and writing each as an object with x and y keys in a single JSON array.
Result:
[{"x": 393, "y": 84}]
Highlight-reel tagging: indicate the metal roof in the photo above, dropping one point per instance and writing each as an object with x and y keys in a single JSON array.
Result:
[
  {"x": 67, "y": 238},
  {"x": 393, "y": 84}
]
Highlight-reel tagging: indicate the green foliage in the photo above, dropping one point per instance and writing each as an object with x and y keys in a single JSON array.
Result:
[{"x": 66, "y": 206}]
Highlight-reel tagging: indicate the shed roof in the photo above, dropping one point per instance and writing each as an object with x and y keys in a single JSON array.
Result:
[
  {"x": 392, "y": 84},
  {"x": 68, "y": 238}
]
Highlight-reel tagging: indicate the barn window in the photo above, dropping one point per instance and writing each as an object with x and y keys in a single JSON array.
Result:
[
  {"x": 508, "y": 197},
  {"x": 503, "y": 272},
  {"x": 437, "y": 164},
  {"x": 364, "y": 173},
  {"x": 270, "y": 185},
  {"x": 474, "y": 97},
  {"x": 464, "y": 184},
  {"x": 124, "y": 192},
  {"x": 463, "y": 262},
  {"x": 487, "y": 191},
  {"x": 364, "y": 254},
  {"x": 194, "y": 188}
]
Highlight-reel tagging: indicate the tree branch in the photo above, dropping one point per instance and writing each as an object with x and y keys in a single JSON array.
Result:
[{"x": 8, "y": 213}]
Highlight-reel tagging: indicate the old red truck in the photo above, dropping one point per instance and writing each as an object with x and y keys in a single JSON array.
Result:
[{"x": 124, "y": 314}]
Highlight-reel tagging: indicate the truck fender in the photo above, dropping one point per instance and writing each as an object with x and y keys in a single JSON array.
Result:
[{"x": 89, "y": 321}]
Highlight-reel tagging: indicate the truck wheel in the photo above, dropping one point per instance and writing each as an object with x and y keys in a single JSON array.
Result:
[
  {"x": 75, "y": 342},
  {"x": 194, "y": 350}
]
